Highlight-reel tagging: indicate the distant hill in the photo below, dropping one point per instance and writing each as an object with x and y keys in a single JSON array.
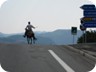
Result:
[
  {"x": 62, "y": 36},
  {"x": 12, "y": 39},
  {"x": 4, "y": 35},
  {"x": 21, "y": 39},
  {"x": 57, "y": 37}
]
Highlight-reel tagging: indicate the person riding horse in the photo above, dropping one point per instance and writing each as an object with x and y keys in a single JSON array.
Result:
[{"x": 28, "y": 30}]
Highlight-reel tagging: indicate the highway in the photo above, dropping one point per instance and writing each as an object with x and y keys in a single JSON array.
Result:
[{"x": 42, "y": 58}]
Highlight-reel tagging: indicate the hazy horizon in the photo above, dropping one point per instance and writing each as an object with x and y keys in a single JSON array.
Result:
[
  {"x": 45, "y": 15},
  {"x": 35, "y": 31}
]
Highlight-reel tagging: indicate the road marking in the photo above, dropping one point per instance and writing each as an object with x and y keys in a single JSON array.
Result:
[{"x": 62, "y": 63}]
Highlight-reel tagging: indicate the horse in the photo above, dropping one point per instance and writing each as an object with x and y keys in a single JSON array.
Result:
[{"x": 30, "y": 37}]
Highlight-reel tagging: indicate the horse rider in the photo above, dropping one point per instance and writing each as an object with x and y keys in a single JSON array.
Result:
[{"x": 29, "y": 28}]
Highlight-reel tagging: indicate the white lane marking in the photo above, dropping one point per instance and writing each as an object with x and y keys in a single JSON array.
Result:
[{"x": 62, "y": 63}]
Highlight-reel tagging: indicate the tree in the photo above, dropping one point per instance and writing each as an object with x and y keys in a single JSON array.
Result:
[{"x": 90, "y": 37}]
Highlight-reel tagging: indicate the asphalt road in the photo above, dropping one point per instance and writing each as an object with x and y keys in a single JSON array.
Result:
[{"x": 42, "y": 58}]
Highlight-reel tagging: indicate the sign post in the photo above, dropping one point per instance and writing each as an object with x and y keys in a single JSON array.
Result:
[
  {"x": 74, "y": 32},
  {"x": 83, "y": 29}
]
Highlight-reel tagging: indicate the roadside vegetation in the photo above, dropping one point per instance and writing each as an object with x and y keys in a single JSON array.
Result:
[{"x": 88, "y": 37}]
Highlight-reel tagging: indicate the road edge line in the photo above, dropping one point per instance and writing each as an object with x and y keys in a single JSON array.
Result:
[{"x": 61, "y": 62}]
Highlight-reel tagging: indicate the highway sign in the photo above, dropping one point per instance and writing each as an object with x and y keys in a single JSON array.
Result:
[
  {"x": 82, "y": 27},
  {"x": 82, "y": 22},
  {"x": 88, "y": 18},
  {"x": 91, "y": 13},
  {"x": 74, "y": 30},
  {"x": 89, "y": 25},
  {"x": 88, "y": 7}
]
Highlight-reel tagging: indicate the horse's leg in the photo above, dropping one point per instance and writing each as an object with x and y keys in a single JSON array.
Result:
[
  {"x": 28, "y": 40},
  {"x": 31, "y": 40}
]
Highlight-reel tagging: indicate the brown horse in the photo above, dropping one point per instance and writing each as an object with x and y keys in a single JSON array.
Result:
[{"x": 30, "y": 37}]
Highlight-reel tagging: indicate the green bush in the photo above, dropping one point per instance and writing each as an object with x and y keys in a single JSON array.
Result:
[{"x": 90, "y": 37}]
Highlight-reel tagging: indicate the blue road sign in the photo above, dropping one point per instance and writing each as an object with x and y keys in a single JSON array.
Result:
[
  {"x": 88, "y": 19},
  {"x": 88, "y": 7},
  {"x": 91, "y": 13},
  {"x": 89, "y": 25},
  {"x": 90, "y": 22},
  {"x": 82, "y": 27}
]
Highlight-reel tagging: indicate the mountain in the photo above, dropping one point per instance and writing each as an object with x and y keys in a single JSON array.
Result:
[
  {"x": 20, "y": 39},
  {"x": 58, "y": 37},
  {"x": 62, "y": 36},
  {"x": 4, "y": 35}
]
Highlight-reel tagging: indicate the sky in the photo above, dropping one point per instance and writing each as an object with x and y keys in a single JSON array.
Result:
[{"x": 45, "y": 15}]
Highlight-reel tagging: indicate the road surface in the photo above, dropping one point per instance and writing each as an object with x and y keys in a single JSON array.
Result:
[{"x": 42, "y": 58}]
